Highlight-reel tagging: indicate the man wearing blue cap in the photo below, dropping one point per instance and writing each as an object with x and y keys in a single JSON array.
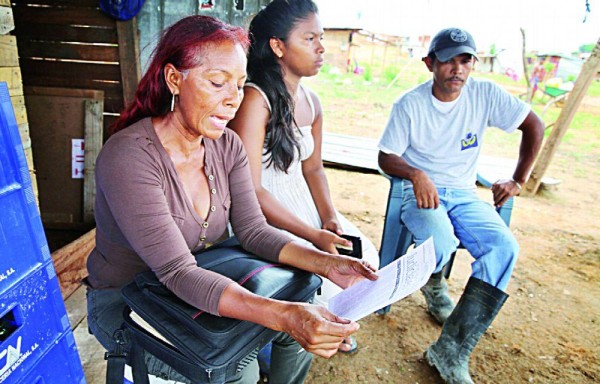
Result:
[{"x": 433, "y": 139}]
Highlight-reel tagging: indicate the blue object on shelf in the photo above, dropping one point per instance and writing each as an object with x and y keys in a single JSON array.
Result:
[
  {"x": 23, "y": 245},
  {"x": 58, "y": 365},
  {"x": 32, "y": 320}
]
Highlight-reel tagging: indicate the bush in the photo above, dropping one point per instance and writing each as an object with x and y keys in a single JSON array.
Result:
[
  {"x": 368, "y": 73},
  {"x": 389, "y": 74}
]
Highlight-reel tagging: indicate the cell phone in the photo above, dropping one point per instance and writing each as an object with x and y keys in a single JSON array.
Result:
[{"x": 354, "y": 251}]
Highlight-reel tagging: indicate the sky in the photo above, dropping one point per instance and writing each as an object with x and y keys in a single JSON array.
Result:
[{"x": 550, "y": 25}]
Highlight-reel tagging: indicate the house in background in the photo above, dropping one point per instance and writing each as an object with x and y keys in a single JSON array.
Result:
[
  {"x": 340, "y": 24},
  {"x": 338, "y": 42},
  {"x": 349, "y": 47},
  {"x": 566, "y": 67}
]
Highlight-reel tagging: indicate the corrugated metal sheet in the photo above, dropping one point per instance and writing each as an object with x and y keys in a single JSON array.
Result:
[{"x": 156, "y": 15}]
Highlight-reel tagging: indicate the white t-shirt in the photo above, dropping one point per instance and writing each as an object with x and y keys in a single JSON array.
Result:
[{"x": 444, "y": 139}]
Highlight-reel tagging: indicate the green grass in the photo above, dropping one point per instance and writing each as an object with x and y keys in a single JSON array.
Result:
[
  {"x": 594, "y": 89},
  {"x": 350, "y": 87},
  {"x": 502, "y": 79}
]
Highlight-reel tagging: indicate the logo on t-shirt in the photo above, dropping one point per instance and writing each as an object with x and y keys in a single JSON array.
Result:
[{"x": 469, "y": 141}]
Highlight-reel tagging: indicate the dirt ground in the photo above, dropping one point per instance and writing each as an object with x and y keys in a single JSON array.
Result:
[{"x": 548, "y": 330}]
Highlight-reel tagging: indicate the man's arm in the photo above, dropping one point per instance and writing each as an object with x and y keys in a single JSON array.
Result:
[
  {"x": 425, "y": 191},
  {"x": 531, "y": 142}
]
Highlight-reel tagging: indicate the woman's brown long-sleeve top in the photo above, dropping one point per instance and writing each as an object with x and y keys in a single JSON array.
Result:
[{"x": 144, "y": 219}]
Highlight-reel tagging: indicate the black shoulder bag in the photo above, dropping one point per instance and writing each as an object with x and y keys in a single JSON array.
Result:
[{"x": 203, "y": 347}]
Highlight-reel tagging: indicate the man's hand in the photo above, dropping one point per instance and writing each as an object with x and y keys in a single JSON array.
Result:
[
  {"x": 424, "y": 189},
  {"x": 504, "y": 190},
  {"x": 425, "y": 192}
]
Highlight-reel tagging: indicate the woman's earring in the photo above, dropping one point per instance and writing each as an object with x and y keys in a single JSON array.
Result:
[{"x": 173, "y": 102}]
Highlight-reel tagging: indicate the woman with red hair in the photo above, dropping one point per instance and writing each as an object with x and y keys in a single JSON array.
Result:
[{"x": 170, "y": 179}]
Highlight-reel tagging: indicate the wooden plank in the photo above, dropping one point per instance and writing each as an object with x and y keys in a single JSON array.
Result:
[
  {"x": 71, "y": 51},
  {"x": 93, "y": 144},
  {"x": 69, "y": 262},
  {"x": 111, "y": 89},
  {"x": 24, "y": 133},
  {"x": 77, "y": 3},
  {"x": 585, "y": 78},
  {"x": 67, "y": 70},
  {"x": 29, "y": 158},
  {"x": 360, "y": 154},
  {"x": 350, "y": 152},
  {"x": 4, "y": 3},
  {"x": 32, "y": 175},
  {"x": 54, "y": 32},
  {"x": 18, "y": 103},
  {"x": 12, "y": 76},
  {"x": 66, "y": 92},
  {"x": 113, "y": 105},
  {"x": 9, "y": 55},
  {"x": 129, "y": 57},
  {"x": 61, "y": 16},
  {"x": 7, "y": 22}
]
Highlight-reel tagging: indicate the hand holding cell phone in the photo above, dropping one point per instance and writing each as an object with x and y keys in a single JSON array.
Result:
[{"x": 354, "y": 251}]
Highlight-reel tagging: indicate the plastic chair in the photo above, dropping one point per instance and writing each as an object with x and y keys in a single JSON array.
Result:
[
  {"x": 397, "y": 238},
  {"x": 556, "y": 96}
]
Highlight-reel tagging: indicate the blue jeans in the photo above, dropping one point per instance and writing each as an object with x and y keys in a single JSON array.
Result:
[
  {"x": 105, "y": 316},
  {"x": 463, "y": 218}
]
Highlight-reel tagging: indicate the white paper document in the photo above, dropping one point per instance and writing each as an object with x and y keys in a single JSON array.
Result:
[{"x": 396, "y": 280}]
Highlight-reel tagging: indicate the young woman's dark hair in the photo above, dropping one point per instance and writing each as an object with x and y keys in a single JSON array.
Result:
[
  {"x": 181, "y": 45},
  {"x": 276, "y": 20}
]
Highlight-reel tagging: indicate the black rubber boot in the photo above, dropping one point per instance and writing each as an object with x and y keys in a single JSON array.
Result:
[
  {"x": 439, "y": 304},
  {"x": 475, "y": 311}
]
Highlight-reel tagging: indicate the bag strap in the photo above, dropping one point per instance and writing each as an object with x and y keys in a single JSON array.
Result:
[
  {"x": 116, "y": 359},
  {"x": 125, "y": 351}
]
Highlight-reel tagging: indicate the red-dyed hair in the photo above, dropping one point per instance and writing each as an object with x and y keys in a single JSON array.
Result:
[{"x": 183, "y": 45}]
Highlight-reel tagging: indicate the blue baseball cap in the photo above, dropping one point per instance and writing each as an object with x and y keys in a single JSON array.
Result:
[{"x": 451, "y": 42}]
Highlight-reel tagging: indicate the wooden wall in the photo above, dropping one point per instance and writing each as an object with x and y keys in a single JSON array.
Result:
[
  {"x": 338, "y": 48},
  {"x": 11, "y": 74},
  {"x": 69, "y": 45},
  {"x": 72, "y": 44}
]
